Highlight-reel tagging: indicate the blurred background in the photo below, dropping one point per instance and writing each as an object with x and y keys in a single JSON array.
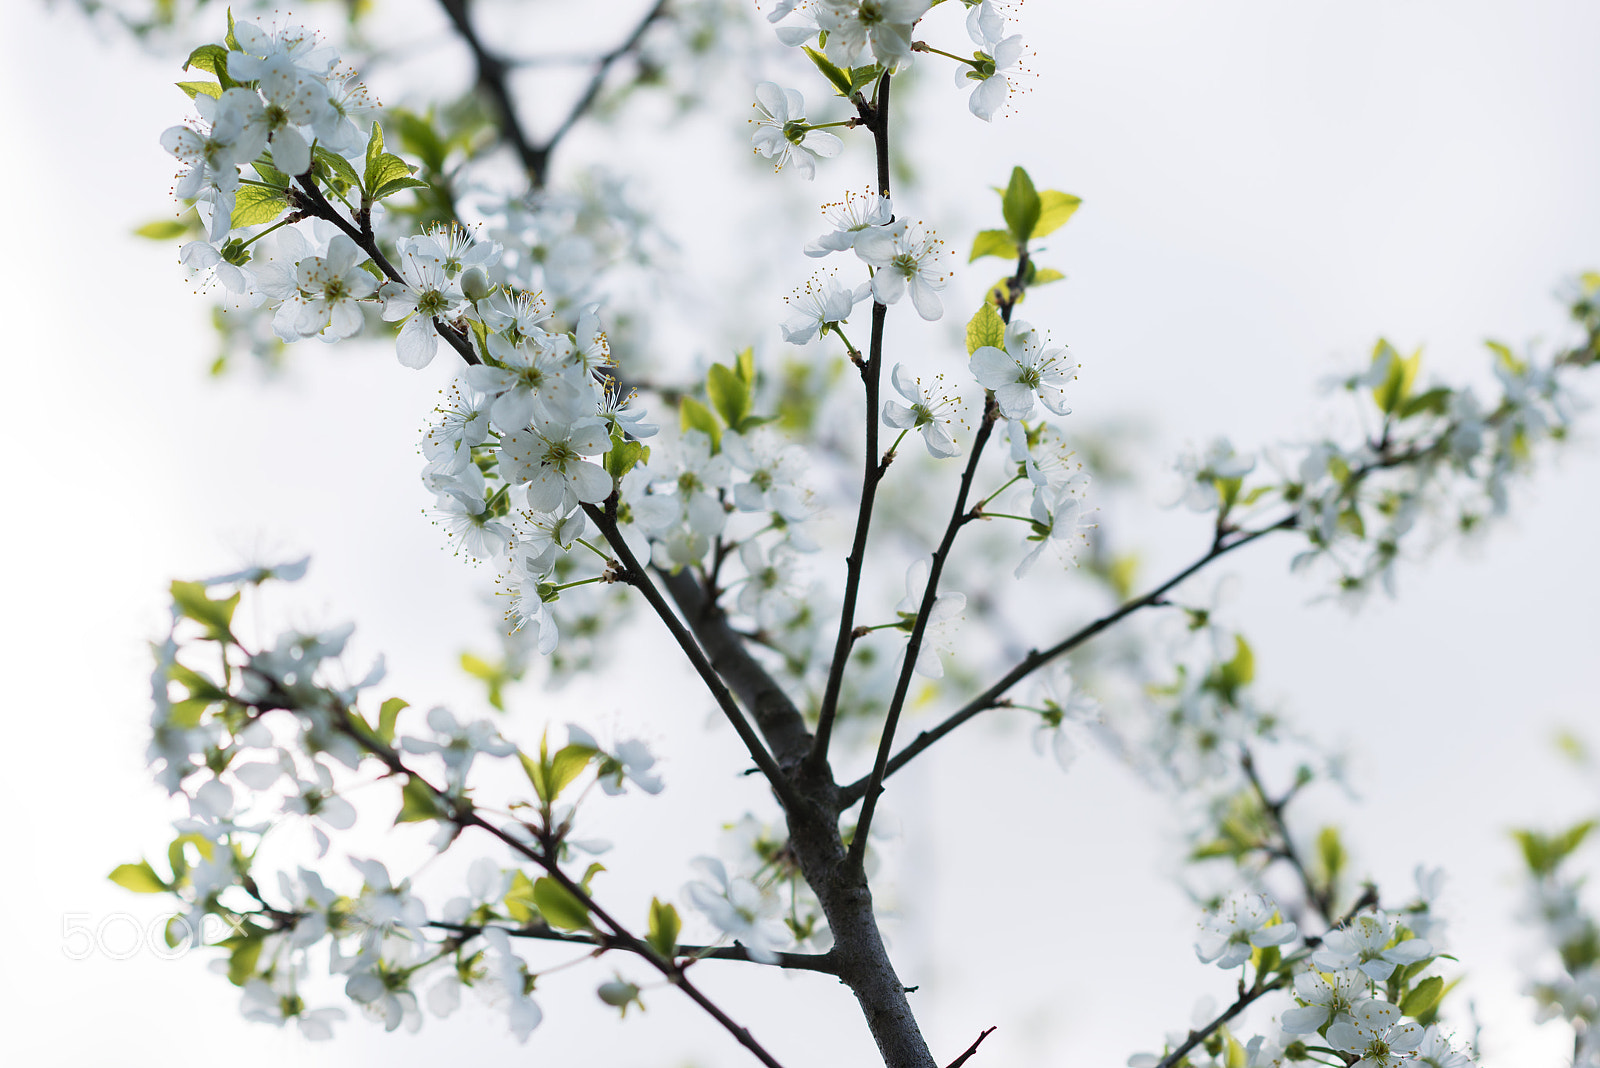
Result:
[{"x": 1267, "y": 189}]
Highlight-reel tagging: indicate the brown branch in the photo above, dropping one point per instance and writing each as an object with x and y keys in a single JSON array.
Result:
[
  {"x": 959, "y": 1061},
  {"x": 872, "y": 474},
  {"x": 492, "y": 79},
  {"x": 312, "y": 201},
  {"x": 637, "y": 577},
  {"x": 805, "y": 962},
  {"x": 1036, "y": 659}
]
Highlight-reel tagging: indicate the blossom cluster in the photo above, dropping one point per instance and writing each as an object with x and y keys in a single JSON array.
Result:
[{"x": 264, "y": 743}]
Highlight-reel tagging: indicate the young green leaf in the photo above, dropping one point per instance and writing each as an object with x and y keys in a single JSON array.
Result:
[
  {"x": 141, "y": 878},
  {"x": 985, "y": 328},
  {"x": 1055, "y": 208},
  {"x": 1424, "y": 996},
  {"x": 664, "y": 928},
  {"x": 558, "y": 906},
  {"x": 1020, "y": 205},
  {"x": 388, "y": 712},
  {"x": 840, "y": 79},
  {"x": 993, "y": 243},
  {"x": 164, "y": 229},
  {"x": 729, "y": 394},
  {"x": 692, "y": 415},
  {"x": 255, "y": 204},
  {"x": 194, "y": 89}
]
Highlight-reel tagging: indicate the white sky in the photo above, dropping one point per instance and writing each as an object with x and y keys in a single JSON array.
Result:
[{"x": 1267, "y": 188}]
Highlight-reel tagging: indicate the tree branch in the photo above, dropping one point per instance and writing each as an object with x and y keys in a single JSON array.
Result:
[
  {"x": 805, "y": 962},
  {"x": 492, "y": 74},
  {"x": 602, "y": 67},
  {"x": 959, "y": 1061},
  {"x": 959, "y": 517},
  {"x": 872, "y": 474},
  {"x": 1036, "y": 659},
  {"x": 312, "y": 201},
  {"x": 780, "y": 722},
  {"x": 639, "y": 578}
]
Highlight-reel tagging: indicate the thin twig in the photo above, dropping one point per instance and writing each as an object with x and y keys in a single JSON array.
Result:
[
  {"x": 959, "y": 1061},
  {"x": 602, "y": 68},
  {"x": 806, "y": 962},
  {"x": 639, "y": 578},
  {"x": 1036, "y": 659},
  {"x": 872, "y": 474},
  {"x": 314, "y": 202}
]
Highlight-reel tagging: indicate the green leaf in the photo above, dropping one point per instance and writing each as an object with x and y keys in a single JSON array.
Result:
[
  {"x": 246, "y": 955},
  {"x": 1236, "y": 1057},
  {"x": 729, "y": 394},
  {"x": 1020, "y": 205},
  {"x": 993, "y": 243},
  {"x": 421, "y": 139},
  {"x": 216, "y": 616},
  {"x": 141, "y": 878},
  {"x": 745, "y": 364},
  {"x": 558, "y": 906},
  {"x": 230, "y": 40},
  {"x": 398, "y": 185},
  {"x": 342, "y": 168},
  {"x": 664, "y": 928},
  {"x": 1055, "y": 208},
  {"x": 270, "y": 174},
  {"x": 1392, "y": 392},
  {"x": 519, "y": 899},
  {"x": 1241, "y": 670},
  {"x": 623, "y": 455},
  {"x": 382, "y": 171},
  {"x": 1435, "y": 401},
  {"x": 1545, "y": 852},
  {"x": 535, "y": 770},
  {"x": 692, "y": 415},
  {"x": 567, "y": 765},
  {"x": 1424, "y": 996},
  {"x": 861, "y": 77},
  {"x": 985, "y": 328},
  {"x": 213, "y": 59},
  {"x": 1331, "y": 853},
  {"x": 254, "y": 205},
  {"x": 840, "y": 79},
  {"x": 388, "y": 712},
  {"x": 418, "y": 802},
  {"x": 374, "y": 144},
  {"x": 1044, "y": 276},
  {"x": 194, "y": 89},
  {"x": 163, "y": 229}
]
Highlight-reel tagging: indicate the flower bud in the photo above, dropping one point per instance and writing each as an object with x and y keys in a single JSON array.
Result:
[
  {"x": 618, "y": 993},
  {"x": 475, "y": 284}
]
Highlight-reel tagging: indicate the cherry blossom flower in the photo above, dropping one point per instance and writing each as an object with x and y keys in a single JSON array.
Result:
[
  {"x": 819, "y": 307},
  {"x": 1364, "y": 943},
  {"x": 851, "y": 217},
  {"x": 879, "y": 27},
  {"x": 922, "y": 415},
  {"x": 1022, "y": 371},
  {"x": 550, "y": 461},
  {"x": 331, "y": 287},
  {"x": 1375, "y": 1033},
  {"x": 781, "y": 131},
  {"x": 1328, "y": 996},
  {"x": 938, "y": 636},
  {"x": 1243, "y": 923},
  {"x": 738, "y": 908},
  {"x": 424, "y": 293},
  {"x": 904, "y": 257}
]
